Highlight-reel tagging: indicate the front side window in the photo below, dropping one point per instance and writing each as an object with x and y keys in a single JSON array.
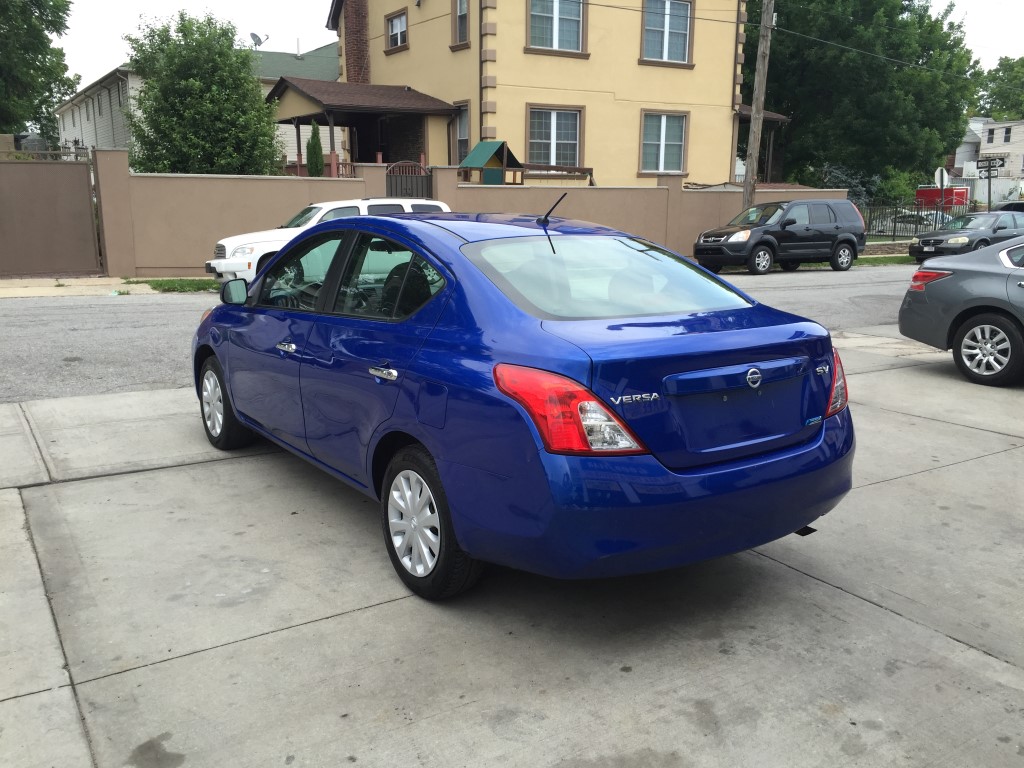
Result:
[
  {"x": 296, "y": 280},
  {"x": 662, "y": 150},
  {"x": 460, "y": 22},
  {"x": 1006, "y": 220},
  {"x": 799, "y": 214},
  {"x": 556, "y": 24},
  {"x": 398, "y": 30},
  {"x": 555, "y": 137},
  {"x": 667, "y": 31},
  {"x": 598, "y": 276},
  {"x": 384, "y": 280}
]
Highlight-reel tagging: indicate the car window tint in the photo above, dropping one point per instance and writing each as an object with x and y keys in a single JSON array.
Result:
[
  {"x": 376, "y": 209},
  {"x": 798, "y": 212},
  {"x": 592, "y": 276},
  {"x": 296, "y": 280},
  {"x": 385, "y": 280},
  {"x": 822, "y": 214},
  {"x": 341, "y": 213},
  {"x": 1016, "y": 255}
]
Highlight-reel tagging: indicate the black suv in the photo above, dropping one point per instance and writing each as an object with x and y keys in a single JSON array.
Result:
[{"x": 790, "y": 233}]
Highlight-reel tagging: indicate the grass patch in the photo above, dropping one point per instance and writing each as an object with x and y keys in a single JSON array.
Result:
[
  {"x": 863, "y": 261},
  {"x": 177, "y": 284}
]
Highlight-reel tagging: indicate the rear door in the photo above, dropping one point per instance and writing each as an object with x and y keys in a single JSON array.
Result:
[
  {"x": 358, "y": 353},
  {"x": 826, "y": 223}
]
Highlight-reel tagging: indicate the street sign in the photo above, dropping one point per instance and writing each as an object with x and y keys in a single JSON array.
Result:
[
  {"x": 992, "y": 173},
  {"x": 991, "y": 162},
  {"x": 941, "y": 178}
]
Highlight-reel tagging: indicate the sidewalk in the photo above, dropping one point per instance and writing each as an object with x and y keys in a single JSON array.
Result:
[{"x": 35, "y": 287}]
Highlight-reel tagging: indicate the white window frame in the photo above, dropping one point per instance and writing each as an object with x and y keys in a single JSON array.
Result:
[
  {"x": 661, "y": 144},
  {"x": 461, "y": 124},
  {"x": 552, "y": 140},
  {"x": 402, "y": 35},
  {"x": 555, "y": 20},
  {"x": 665, "y": 14}
]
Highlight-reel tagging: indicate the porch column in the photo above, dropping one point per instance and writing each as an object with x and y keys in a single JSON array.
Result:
[
  {"x": 298, "y": 147},
  {"x": 334, "y": 154}
]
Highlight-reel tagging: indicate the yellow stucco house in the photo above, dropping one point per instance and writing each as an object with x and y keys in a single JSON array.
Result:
[{"x": 632, "y": 89}]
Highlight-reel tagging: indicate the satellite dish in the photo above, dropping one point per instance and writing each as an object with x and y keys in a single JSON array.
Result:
[{"x": 257, "y": 40}]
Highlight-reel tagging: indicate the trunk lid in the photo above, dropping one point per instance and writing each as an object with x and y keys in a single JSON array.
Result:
[{"x": 710, "y": 388}]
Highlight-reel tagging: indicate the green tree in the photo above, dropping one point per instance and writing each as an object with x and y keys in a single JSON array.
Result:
[
  {"x": 33, "y": 76},
  {"x": 835, "y": 69},
  {"x": 1002, "y": 90},
  {"x": 315, "y": 153},
  {"x": 200, "y": 108}
]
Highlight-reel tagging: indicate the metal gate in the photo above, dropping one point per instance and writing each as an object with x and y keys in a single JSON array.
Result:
[{"x": 408, "y": 179}]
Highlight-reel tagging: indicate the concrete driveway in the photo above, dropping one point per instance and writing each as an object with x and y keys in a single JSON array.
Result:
[{"x": 164, "y": 604}]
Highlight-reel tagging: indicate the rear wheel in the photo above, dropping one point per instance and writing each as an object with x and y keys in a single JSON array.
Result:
[
  {"x": 760, "y": 261},
  {"x": 418, "y": 529},
  {"x": 223, "y": 429},
  {"x": 842, "y": 257},
  {"x": 789, "y": 266},
  {"x": 989, "y": 349}
]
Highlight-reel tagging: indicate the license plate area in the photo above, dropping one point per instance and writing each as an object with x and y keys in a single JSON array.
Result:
[{"x": 929, "y": 248}]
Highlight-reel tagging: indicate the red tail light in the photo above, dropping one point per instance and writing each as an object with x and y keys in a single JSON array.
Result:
[
  {"x": 922, "y": 277},
  {"x": 570, "y": 418},
  {"x": 840, "y": 394}
]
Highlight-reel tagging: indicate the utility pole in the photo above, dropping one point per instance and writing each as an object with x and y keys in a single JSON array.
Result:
[{"x": 764, "y": 44}]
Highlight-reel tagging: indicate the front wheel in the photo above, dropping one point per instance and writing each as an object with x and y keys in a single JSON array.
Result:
[
  {"x": 842, "y": 257},
  {"x": 980, "y": 244},
  {"x": 418, "y": 529},
  {"x": 760, "y": 261},
  {"x": 789, "y": 266},
  {"x": 989, "y": 349},
  {"x": 223, "y": 429}
]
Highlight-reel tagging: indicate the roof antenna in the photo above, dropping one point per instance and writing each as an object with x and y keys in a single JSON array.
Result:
[{"x": 545, "y": 219}]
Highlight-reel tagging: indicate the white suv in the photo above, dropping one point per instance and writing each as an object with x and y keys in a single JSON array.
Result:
[{"x": 244, "y": 255}]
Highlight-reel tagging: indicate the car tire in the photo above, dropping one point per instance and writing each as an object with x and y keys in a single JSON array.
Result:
[
  {"x": 842, "y": 257},
  {"x": 789, "y": 266},
  {"x": 761, "y": 260},
  {"x": 980, "y": 244},
  {"x": 713, "y": 268},
  {"x": 222, "y": 427},
  {"x": 989, "y": 349},
  {"x": 418, "y": 530}
]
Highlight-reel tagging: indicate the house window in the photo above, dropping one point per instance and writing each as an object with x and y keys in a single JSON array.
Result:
[
  {"x": 64, "y": 122},
  {"x": 122, "y": 88},
  {"x": 461, "y": 133},
  {"x": 556, "y": 24},
  {"x": 555, "y": 137},
  {"x": 460, "y": 22},
  {"x": 663, "y": 143},
  {"x": 398, "y": 32},
  {"x": 991, "y": 135},
  {"x": 667, "y": 31},
  {"x": 99, "y": 105},
  {"x": 88, "y": 112},
  {"x": 74, "y": 122},
  {"x": 1006, "y": 135}
]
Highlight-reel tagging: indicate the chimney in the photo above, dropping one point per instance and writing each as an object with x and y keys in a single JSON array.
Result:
[{"x": 357, "y": 47}]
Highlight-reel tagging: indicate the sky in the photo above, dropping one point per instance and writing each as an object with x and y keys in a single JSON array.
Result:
[{"x": 94, "y": 43}]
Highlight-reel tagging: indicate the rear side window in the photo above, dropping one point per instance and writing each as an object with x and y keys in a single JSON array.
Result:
[
  {"x": 822, "y": 214},
  {"x": 375, "y": 209},
  {"x": 1016, "y": 255},
  {"x": 595, "y": 276},
  {"x": 426, "y": 208}
]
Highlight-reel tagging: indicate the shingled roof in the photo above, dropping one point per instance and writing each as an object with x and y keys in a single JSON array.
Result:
[{"x": 357, "y": 97}]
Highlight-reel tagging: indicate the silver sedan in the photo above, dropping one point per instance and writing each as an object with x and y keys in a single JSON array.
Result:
[{"x": 972, "y": 303}]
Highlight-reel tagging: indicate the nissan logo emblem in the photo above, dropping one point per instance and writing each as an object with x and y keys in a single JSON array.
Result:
[{"x": 754, "y": 378}]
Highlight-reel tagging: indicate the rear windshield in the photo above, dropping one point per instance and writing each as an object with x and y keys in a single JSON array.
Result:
[
  {"x": 598, "y": 276},
  {"x": 302, "y": 217}
]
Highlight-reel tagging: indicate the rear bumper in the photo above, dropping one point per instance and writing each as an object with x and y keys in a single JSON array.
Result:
[
  {"x": 923, "y": 321},
  {"x": 573, "y": 517}
]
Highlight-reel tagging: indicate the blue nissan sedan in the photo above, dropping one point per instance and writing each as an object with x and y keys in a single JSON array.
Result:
[{"x": 545, "y": 394}]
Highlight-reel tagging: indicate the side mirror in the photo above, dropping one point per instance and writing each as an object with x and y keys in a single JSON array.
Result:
[
  {"x": 234, "y": 291},
  {"x": 788, "y": 222},
  {"x": 1001, "y": 226}
]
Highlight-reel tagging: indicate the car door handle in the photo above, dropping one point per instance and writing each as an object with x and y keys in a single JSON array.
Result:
[
  {"x": 286, "y": 346},
  {"x": 384, "y": 373}
]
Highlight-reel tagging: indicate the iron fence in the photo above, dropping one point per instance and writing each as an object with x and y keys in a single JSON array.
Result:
[{"x": 902, "y": 221}]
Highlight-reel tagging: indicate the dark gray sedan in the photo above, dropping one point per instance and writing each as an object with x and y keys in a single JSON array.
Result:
[
  {"x": 973, "y": 304},
  {"x": 968, "y": 233}
]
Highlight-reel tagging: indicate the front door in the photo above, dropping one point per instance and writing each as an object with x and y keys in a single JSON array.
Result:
[
  {"x": 358, "y": 352},
  {"x": 264, "y": 354},
  {"x": 799, "y": 238}
]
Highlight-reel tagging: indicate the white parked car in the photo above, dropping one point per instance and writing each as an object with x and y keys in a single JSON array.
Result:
[{"x": 244, "y": 255}]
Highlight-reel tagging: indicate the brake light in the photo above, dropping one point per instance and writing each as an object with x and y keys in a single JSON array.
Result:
[
  {"x": 922, "y": 277},
  {"x": 859, "y": 216},
  {"x": 570, "y": 418},
  {"x": 839, "y": 395}
]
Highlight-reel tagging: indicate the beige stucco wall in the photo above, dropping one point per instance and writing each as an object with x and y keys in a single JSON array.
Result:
[{"x": 610, "y": 86}]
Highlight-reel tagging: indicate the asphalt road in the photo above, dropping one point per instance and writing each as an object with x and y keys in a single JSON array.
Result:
[{"x": 61, "y": 347}]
